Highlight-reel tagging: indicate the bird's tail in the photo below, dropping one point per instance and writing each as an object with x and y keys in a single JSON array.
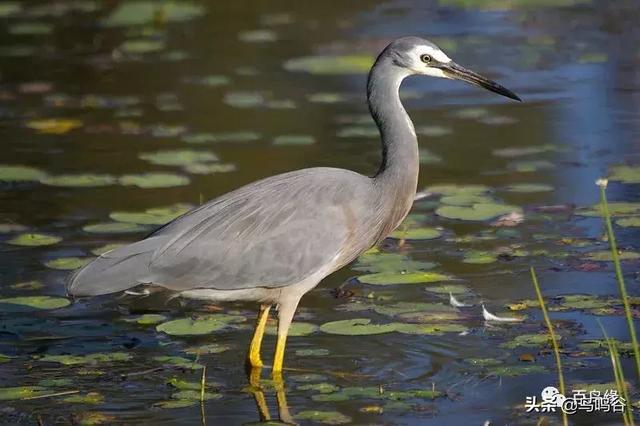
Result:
[{"x": 115, "y": 270}]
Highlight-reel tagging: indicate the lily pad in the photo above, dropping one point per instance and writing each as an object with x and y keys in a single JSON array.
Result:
[
  {"x": 212, "y": 348},
  {"x": 478, "y": 257},
  {"x": 618, "y": 209},
  {"x": 153, "y": 216},
  {"x": 141, "y": 46},
  {"x": 376, "y": 261},
  {"x": 466, "y": 199},
  {"x": 435, "y": 329},
  {"x": 88, "y": 398},
  {"x": 387, "y": 278},
  {"x": 515, "y": 370},
  {"x": 311, "y": 352},
  {"x": 584, "y": 301},
  {"x": 178, "y": 157},
  {"x": 524, "y": 151},
  {"x": 625, "y": 174},
  {"x": 79, "y": 181},
  {"x": 331, "y": 64},
  {"x": 195, "y": 395},
  {"x": 356, "y": 327},
  {"x": 209, "y": 168},
  {"x": 529, "y": 187},
  {"x": 178, "y": 361},
  {"x": 629, "y": 222},
  {"x": 202, "y": 325},
  {"x": 34, "y": 240},
  {"x": 294, "y": 140},
  {"x": 98, "y": 251},
  {"x": 528, "y": 340},
  {"x": 146, "y": 12},
  {"x": 37, "y": 302},
  {"x": 154, "y": 180},
  {"x": 605, "y": 256},
  {"x": 67, "y": 263},
  {"x": 477, "y": 212},
  {"x": 20, "y": 392},
  {"x": 114, "y": 228},
  {"x": 54, "y": 126},
  {"x": 148, "y": 319},
  {"x": 319, "y": 387},
  {"x": 17, "y": 173},
  {"x": 531, "y": 166},
  {"x": 95, "y": 358},
  {"x": 455, "y": 189},
  {"x": 298, "y": 328},
  {"x": 448, "y": 288},
  {"x": 425, "y": 233},
  {"x": 176, "y": 403},
  {"x": 324, "y": 417}
]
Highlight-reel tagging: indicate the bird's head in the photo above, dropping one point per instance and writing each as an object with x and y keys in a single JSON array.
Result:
[{"x": 418, "y": 56}]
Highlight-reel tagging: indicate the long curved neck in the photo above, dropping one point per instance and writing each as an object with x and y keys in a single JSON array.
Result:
[{"x": 397, "y": 177}]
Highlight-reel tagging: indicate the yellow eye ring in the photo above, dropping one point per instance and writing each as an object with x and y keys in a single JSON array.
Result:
[{"x": 426, "y": 58}]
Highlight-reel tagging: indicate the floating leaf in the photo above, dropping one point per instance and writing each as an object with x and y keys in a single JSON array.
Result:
[
  {"x": 324, "y": 417},
  {"x": 198, "y": 326},
  {"x": 430, "y": 329},
  {"x": 312, "y": 352},
  {"x": 454, "y": 189},
  {"x": 528, "y": 340},
  {"x": 146, "y": 12},
  {"x": 389, "y": 262},
  {"x": 294, "y": 140},
  {"x": 212, "y": 348},
  {"x": 531, "y": 166},
  {"x": 79, "y": 181},
  {"x": 331, "y": 64},
  {"x": 95, "y": 358},
  {"x": 355, "y": 327},
  {"x": 88, "y": 398},
  {"x": 17, "y": 173},
  {"x": 98, "y": 251},
  {"x": 515, "y": 370},
  {"x": 67, "y": 263},
  {"x": 623, "y": 209},
  {"x": 628, "y": 222},
  {"x": 178, "y": 157},
  {"x": 477, "y": 212},
  {"x": 54, "y": 126},
  {"x": 319, "y": 387},
  {"x": 153, "y": 216},
  {"x": 625, "y": 174},
  {"x": 141, "y": 46},
  {"x": 178, "y": 361},
  {"x": 31, "y": 28},
  {"x": 205, "y": 169},
  {"x": 523, "y": 151},
  {"x": 605, "y": 256},
  {"x": 4, "y": 358},
  {"x": 466, "y": 199},
  {"x": 195, "y": 395},
  {"x": 38, "y": 302},
  {"x": 257, "y": 36},
  {"x": 176, "y": 403},
  {"x": 148, "y": 319},
  {"x": 154, "y": 180},
  {"x": 244, "y": 99},
  {"x": 34, "y": 240},
  {"x": 583, "y": 301},
  {"x": 479, "y": 257},
  {"x": 20, "y": 392},
  {"x": 298, "y": 328},
  {"x": 114, "y": 228},
  {"x": 425, "y": 233},
  {"x": 385, "y": 278},
  {"x": 449, "y": 288},
  {"x": 529, "y": 187}
]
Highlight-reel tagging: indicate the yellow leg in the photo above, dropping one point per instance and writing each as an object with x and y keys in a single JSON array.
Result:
[
  {"x": 278, "y": 359},
  {"x": 258, "y": 394},
  {"x": 253, "y": 359}
]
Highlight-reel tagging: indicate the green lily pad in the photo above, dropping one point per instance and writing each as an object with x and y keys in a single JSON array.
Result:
[
  {"x": 141, "y": 46},
  {"x": 37, "y": 302},
  {"x": 20, "y": 392},
  {"x": 195, "y": 395},
  {"x": 148, "y": 319},
  {"x": 88, "y": 398},
  {"x": 95, "y": 358},
  {"x": 583, "y": 301},
  {"x": 319, "y": 387},
  {"x": 34, "y": 240},
  {"x": 202, "y": 325},
  {"x": 626, "y": 174},
  {"x": 529, "y": 187},
  {"x": 244, "y": 99},
  {"x": 114, "y": 228},
  {"x": 98, "y": 251},
  {"x": 324, "y": 417},
  {"x": 515, "y": 370},
  {"x": 178, "y": 361},
  {"x": 79, "y": 181},
  {"x": 454, "y": 189},
  {"x": 387, "y": 278},
  {"x": 331, "y": 64},
  {"x": 376, "y": 261},
  {"x": 154, "y": 180},
  {"x": 448, "y": 288},
  {"x": 17, "y": 173},
  {"x": 154, "y": 216},
  {"x": 378, "y": 393},
  {"x": 28, "y": 285},
  {"x": 176, "y": 403},
  {"x": 311, "y": 352},
  {"x": 55, "y": 383},
  {"x": 146, "y": 12},
  {"x": 629, "y": 222},
  {"x": 478, "y": 257},
  {"x": 4, "y": 358},
  {"x": 433, "y": 131},
  {"x": 298, "y": 328},
  {"x": 9, "y": 8},
  {"x": 605, "y": 256},
  {"x": 355, "y": 327},
  {"x": 212, "y": 348},
  {"x": 31, "y": 28},
  {"x": 178, "y": 157},
  {"x": 245, "y": 136},
  {"x": 68, "y": 263},
  {"x": 531, "y": 166},
  {"x": 294, "y": 140},
  {"x": 425, "y": 233},
  {"x": 622, "y": 209},
  {"x": 368, "y": 131},
  {"x": 430, "y": 329},
  {"x": 206, "y": 169},
  {"x": 466, "y": 199},
  {"x": 524, "y": 151},
  {"x": 528, "y": 340},
  {"x": 477, "y": 212}
]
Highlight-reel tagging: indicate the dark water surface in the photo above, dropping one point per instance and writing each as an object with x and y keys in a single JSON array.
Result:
[{"x": 222, "y": 82}]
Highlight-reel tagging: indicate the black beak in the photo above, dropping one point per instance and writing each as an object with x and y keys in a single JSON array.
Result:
[{"x": 455, "y": 71}]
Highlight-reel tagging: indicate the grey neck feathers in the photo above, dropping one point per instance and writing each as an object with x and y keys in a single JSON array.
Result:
[{"x": 398, "y": 173}]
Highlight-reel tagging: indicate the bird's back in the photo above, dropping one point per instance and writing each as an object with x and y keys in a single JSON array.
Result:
[{"x": 271, "y": 233}]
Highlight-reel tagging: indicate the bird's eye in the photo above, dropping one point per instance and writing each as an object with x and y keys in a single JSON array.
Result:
[{"x": 426, "y": 58}]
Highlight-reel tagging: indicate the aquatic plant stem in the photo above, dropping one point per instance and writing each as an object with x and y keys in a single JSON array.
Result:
[
  {"x": 618, "y": 374},
  {"x": 554, "y": 341},
  {"x": 616, "y": 262}
]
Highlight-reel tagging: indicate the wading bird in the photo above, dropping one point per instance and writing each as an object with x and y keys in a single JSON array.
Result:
[{"x": 275, "y": 239}]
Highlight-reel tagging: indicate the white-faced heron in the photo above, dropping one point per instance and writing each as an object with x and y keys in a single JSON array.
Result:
[{"x": 275, "y": 239}]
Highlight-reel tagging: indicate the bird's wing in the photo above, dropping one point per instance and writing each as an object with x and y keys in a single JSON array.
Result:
[{"x": 272, "y": 233}]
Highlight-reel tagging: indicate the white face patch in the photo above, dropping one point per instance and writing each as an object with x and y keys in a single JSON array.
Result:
[{"x": 420, "y": 67}]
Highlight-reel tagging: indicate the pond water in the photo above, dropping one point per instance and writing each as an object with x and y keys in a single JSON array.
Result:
[{"x": 126, "y": 113}]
